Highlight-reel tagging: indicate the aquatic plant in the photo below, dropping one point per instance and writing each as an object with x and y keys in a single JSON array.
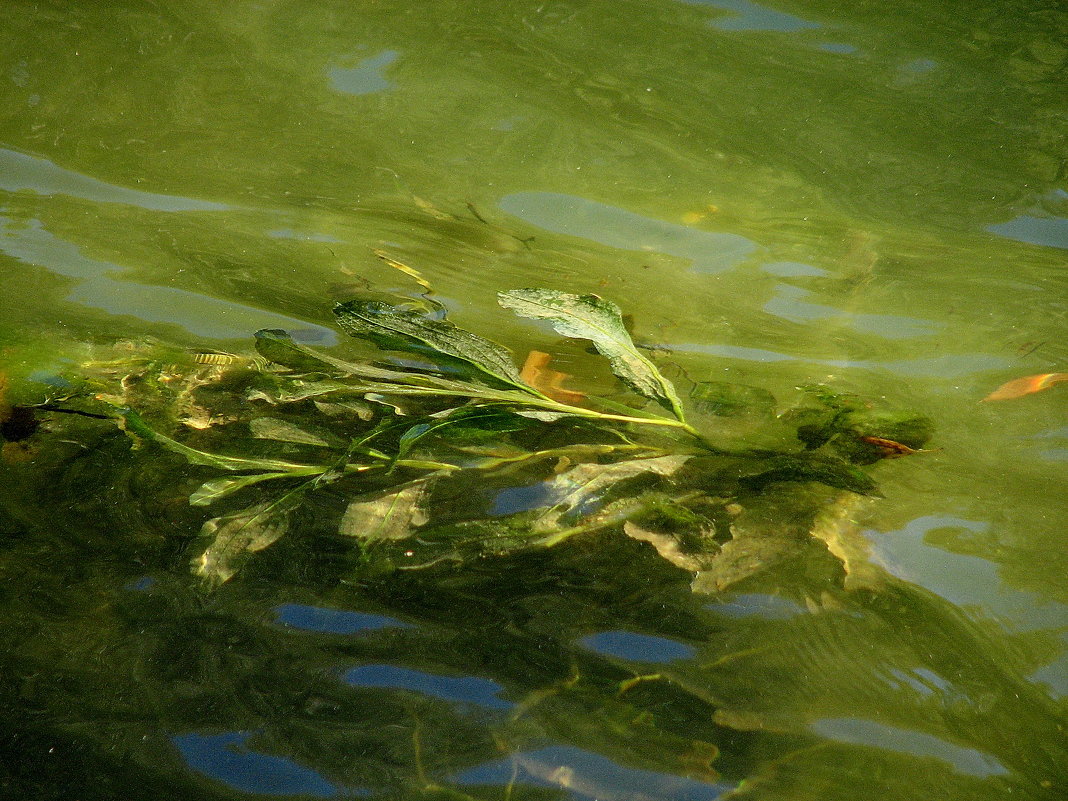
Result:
[{"x": 441, "y": 413}]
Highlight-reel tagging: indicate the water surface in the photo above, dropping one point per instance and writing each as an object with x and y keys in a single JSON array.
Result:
[{"x": 776, "y": 193}]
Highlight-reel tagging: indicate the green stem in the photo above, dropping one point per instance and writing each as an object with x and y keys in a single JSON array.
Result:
[{"x": 531, "y": 400}]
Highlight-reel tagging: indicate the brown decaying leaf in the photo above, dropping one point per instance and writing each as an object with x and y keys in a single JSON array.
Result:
[{"x": 890, "y": 449}]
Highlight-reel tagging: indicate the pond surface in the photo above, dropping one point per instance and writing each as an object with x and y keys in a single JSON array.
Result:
[{"x": 868, "y": 195}]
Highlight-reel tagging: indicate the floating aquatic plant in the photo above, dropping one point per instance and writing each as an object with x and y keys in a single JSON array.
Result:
[{"x": 443, "y": 412}]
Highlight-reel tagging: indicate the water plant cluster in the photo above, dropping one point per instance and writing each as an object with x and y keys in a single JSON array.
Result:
[{"x": 443, "y": 450}]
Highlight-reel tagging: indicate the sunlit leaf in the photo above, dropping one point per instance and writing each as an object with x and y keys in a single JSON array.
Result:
[
  {"x": 393, "y": 328},
  {"x": 835, "y": 524},
  {"x": 744, "y": 556},
  {"x": 283, "y": 431},
  {"x": 296, "y": 390},
  {"x": 671, "y": 548},
  {"x": 599, "y": 320},
  {"x": 391, "y": 515},
  {"x": 579, "y": 490},
  {"x": 211, "y": 491},
  {"x": 345, "y": 409},
  {"x": 231, "y": 539}
]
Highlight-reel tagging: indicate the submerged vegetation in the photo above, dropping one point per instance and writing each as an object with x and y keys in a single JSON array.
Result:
[
  {"x": 578, "y": 560},
  {"x": 443, "y": 450}
]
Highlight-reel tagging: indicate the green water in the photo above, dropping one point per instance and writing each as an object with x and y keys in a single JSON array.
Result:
[{"x": 872, "y": 195}]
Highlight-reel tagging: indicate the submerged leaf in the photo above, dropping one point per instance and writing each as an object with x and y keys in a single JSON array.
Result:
[
  {"x": 599, "y": 320},
  {"x": 283, "y": 431},
  {"x": 233, "y": 538},
  {"x": 836, "y": 526},
  {"x": 211, "y": 491},
  {"x": 725, "y": 399},
  {"x": 537, "y": 373},
  {"x": 135, "y": 425},
  {"x": 746, "y": 555},
  {"x": 580, "y": 489},
  {"x": 280, "y": 348},
  {"x": 671, "y": 548},
  {"x": 391, "y": 515},
  {"x": 827, "y": 470},
  {"x": 394, "y": 328}
]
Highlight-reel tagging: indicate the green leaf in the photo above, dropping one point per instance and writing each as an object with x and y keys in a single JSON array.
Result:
[
  {"x": 744, "y": 556},
  {"x": 280, "y": 348},
  {"x": 599, "y": 320},
  {"x": 211, "y": 491},
  {"x": 278, "y": 430},
  {"x": 233, "y": 538},
  {"x": 291, "y": 390},
  {"x": 394, "y": 328},
  {"x": 392, "y": 515},
  {"x": 135, "y": 425}
]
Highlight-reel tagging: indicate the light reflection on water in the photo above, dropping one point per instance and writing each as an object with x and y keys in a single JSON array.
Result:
[
  {"x": 22, "y": 172},
  {"x": 962, "y": 579},
  {"x": 333, "y": 621},
  {"x": 637, "y": 647},
  {"x": 455, "y": 689},
  {"x": 577, "y": 216},
  {"x": 948, "y": 366},
  {"x": 199, "y": 314},
  {"x": 226, "y": 758},
  {"x": 869, "y": 732}
]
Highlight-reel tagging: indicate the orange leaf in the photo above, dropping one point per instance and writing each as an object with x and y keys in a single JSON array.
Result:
[
  {"x": 537, "y": 374},
  {"x": 1019, "y": 387}
]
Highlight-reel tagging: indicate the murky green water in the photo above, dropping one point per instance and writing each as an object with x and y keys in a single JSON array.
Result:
[{"x": 872, "y": 195}]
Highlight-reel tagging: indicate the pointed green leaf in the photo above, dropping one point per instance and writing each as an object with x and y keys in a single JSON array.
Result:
[
  {"x": 211, "y": 491},
  {"x": 277, "y": 346},
  {"x": 599, "y": 320},
  {"x": 135, "y": 425},
  {"x": 395, "y": 328}
]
